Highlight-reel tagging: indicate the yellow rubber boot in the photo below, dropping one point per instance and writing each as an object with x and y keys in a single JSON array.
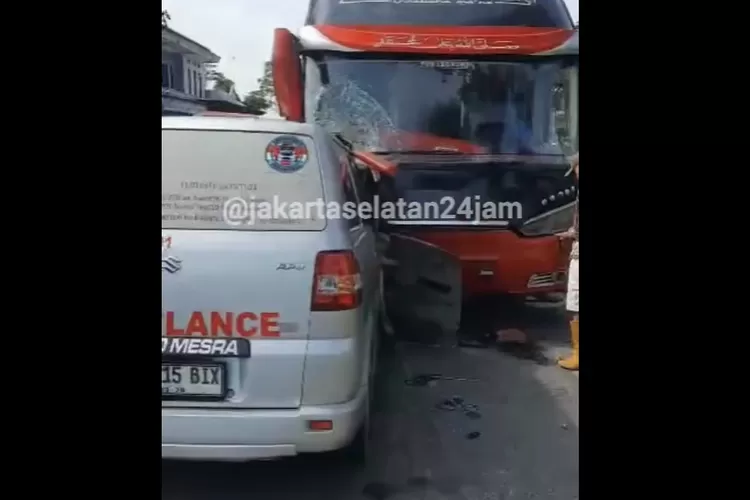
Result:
[{"x": 571, "y": 362}]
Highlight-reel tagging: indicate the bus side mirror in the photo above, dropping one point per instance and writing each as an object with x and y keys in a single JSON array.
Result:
[{"x": 287, "y": 75}]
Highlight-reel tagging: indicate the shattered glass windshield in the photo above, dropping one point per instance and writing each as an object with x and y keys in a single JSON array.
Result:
[{"x": 443, "y": 105}]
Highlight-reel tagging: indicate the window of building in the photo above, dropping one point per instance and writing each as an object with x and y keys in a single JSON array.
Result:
[
  {"x": 166, "y": 75},
  {"x": 189, "y": 81}
]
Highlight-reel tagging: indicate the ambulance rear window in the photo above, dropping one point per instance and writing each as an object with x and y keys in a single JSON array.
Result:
[{"x": 214, "y": 179}]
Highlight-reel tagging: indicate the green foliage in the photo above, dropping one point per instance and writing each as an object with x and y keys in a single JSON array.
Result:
[
  {"x": 220, "y": 81},
  {"x": 262, "y": 99}
]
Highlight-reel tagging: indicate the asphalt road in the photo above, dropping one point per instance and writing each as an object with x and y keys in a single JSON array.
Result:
[{"x": 520, "y": 409}]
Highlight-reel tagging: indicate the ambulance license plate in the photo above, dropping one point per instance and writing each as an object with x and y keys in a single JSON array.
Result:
[{"x": 193, "y": 381}]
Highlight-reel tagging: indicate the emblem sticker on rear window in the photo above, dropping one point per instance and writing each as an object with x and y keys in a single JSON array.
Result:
[{"x": 286, "y": 154}]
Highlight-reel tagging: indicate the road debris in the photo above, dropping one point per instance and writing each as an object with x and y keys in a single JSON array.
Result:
[
  {"x": 457, "y": 403},
  {"x": 426, "y": 379},
  {"x": 451, "y": 404},
  {"x": 474, "y": 415},
  {"x": 421, "y": 380}
]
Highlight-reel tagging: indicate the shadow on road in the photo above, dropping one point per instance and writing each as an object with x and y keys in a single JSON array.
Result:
[
  {"x": 521, "y": 441},
  {"x": 301, "y": 477}
]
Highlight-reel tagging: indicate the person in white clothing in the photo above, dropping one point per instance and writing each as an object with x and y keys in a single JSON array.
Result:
[{"x": 571, "y": 300}]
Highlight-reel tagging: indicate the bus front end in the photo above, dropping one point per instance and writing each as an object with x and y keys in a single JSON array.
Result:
[{"x": 483, "y": 109}]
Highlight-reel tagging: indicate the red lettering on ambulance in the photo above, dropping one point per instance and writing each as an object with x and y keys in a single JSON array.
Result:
[
  {"x": 221, "y": 324},
  {"x": 227, "y": 324},
  {"x": 196, "y": 325},
  {"x": 242, "y": 329},
  {"x": 172, "y": 331},
  {"x": 269, "y": 324}
]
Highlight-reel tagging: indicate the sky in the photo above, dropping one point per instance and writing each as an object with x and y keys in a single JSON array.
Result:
[{"x": 241, "y": 31}]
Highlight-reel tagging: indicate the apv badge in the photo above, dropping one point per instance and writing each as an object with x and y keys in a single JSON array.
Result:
[{"x": 171, "y": 264}]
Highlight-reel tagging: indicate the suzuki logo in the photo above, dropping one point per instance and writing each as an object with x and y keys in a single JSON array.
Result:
[
  {"x": 288, "y": 266},
  {"x": 171, "y": 264}
]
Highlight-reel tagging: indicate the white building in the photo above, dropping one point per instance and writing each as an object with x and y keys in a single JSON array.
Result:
[{"x": 184, "y": 73}]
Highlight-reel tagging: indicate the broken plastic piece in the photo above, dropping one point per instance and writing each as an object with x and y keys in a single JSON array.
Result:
[
  {"x": 474, "y": 415},
  {"x": 450, "y": 404}
]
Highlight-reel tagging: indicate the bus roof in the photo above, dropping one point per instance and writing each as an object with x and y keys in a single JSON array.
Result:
[
  {"x": 451, "y": 27},
  {"x": 466, "y": 13}
]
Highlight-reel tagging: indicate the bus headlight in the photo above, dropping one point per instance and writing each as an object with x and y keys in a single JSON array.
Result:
[{"x": 553, "y": 222}]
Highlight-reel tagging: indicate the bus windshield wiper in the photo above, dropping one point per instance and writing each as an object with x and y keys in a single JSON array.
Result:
[
  {"x": 342, "y": 141},
  {"x": 421, "y": 152}
]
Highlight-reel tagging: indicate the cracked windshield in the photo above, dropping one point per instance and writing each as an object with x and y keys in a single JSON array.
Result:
[
  {"x": 467, "y": 106},
  {"x": 370, "y": 249}
]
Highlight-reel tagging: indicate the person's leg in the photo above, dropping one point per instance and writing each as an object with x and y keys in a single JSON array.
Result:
[
  {"x": 571, "y": 303},
  {"x": 571, "y": 362}
]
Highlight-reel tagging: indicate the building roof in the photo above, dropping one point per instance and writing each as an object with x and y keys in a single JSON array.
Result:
[
  {"x": 220, "y": 95},
  {"x": 177, "y": 42}
]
